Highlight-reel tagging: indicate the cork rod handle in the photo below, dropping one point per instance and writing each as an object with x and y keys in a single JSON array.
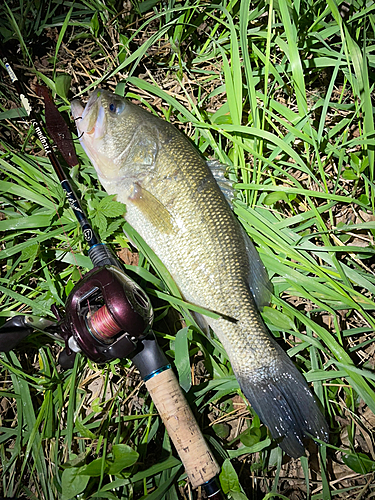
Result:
[{"x": 199, "y": 463}]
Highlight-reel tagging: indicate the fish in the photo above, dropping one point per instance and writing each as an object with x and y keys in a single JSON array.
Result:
[{"x": 176, "y": 205}]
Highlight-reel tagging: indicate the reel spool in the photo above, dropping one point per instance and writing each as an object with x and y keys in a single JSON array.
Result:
[{"x": 106, "y": 314}]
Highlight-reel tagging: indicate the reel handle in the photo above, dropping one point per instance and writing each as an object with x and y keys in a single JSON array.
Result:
[{"x": 200, "y": 465}]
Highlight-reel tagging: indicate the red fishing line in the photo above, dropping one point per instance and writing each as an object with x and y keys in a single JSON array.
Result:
[{"x": 102, "y": 324}]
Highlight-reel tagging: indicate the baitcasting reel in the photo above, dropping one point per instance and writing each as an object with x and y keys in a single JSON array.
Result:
[{"x": 106, "y": 315}]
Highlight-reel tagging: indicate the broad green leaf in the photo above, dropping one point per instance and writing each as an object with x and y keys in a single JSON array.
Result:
[
  {"x": 13, "y": 113},
  {"x": 123, "y": 456},
  {"x": 111, "y": 208},
  {"x": 94, "y": 24},
  {"x": 237, "y": 495},
  {"x": 94, "y": 468},
  {"x": 62, "y": 85},
  {"x": 221, "y": 430},
  {"x": 359, "y": 463},
  {"x": 73, "y": 483},
  {"x": 228, "y": 477},
  {"x": 251, "y": 436},
  {"x": 272, "y": 198},
  {"x": 277, "y": 318}
]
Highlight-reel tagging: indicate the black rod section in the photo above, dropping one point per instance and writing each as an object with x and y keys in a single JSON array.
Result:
[
  {"x": 87, "y": 230},
  {"x": 99, "y": 253}
]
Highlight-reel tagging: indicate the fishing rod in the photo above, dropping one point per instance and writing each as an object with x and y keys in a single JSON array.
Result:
[{"x": 109, "y": 316}]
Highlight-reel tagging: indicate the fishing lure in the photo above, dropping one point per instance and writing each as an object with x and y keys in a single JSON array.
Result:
[{"x": 57, "y": 127}]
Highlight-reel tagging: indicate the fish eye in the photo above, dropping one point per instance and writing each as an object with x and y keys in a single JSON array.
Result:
[{"x": 116, "y": 107}]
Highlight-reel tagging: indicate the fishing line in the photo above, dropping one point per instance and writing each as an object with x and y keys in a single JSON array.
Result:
[
  {"x": 76, "y": 119},
  {"x": 102, "y": 325}
]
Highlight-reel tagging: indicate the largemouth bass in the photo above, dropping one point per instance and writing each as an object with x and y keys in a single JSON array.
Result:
[{"x": 174, "y": 202}]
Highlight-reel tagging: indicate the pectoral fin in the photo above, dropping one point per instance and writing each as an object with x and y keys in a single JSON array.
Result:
[{"x": 152, "y": 209}]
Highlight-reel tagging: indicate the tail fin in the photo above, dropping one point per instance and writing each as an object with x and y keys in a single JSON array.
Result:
[{"x": 281, "y": 398}]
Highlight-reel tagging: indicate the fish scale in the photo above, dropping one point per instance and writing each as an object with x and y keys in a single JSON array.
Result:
[{"x": 175, "y": 204}]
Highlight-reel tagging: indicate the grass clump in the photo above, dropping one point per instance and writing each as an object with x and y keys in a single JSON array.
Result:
[{"x": 281, "y": 92}]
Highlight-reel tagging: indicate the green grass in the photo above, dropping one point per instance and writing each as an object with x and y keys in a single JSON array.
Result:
[{"x": 281, "y": 93}]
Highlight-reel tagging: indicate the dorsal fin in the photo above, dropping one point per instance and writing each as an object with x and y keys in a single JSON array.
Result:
[
  {"x": 259, "y": 283},
  {"x": 226, "y": 185}
]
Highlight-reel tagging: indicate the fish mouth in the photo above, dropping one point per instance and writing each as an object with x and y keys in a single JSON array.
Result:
[
  {"x": 90, "y": 119},
  {"x": 91, "y": 126}
]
